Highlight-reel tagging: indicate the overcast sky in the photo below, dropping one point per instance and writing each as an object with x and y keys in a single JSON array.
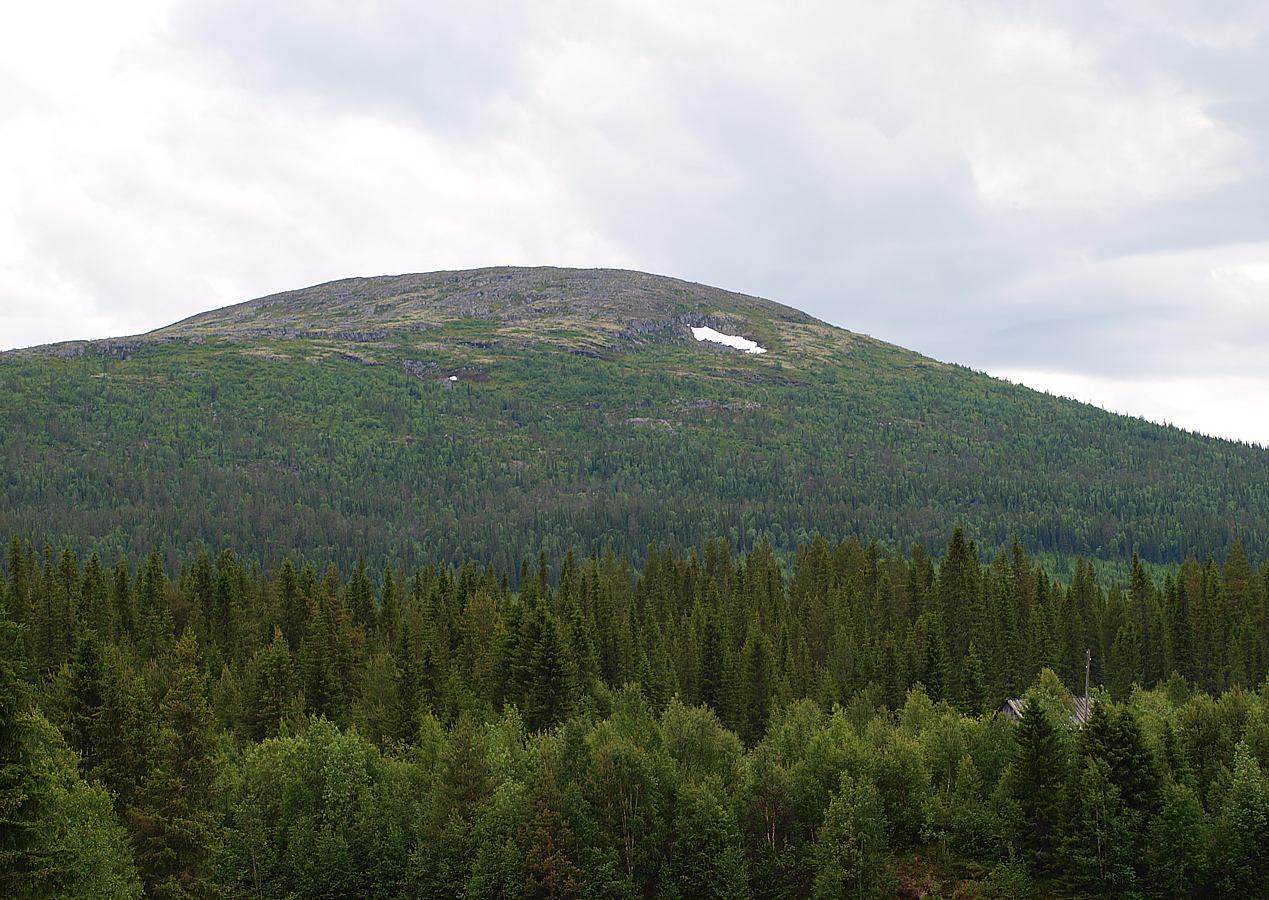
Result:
[{"x": 1074, "y": 195}]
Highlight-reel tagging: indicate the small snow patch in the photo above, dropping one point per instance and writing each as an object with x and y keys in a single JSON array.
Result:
[{"x": 731, "y": 340}]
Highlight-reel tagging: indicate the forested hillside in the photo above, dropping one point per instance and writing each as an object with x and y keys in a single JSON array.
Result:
[
  {"x": 494, "y": 413},
  {"x": 705, "y": 725}
]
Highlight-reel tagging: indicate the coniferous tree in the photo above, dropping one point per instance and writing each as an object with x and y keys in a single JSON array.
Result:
[
  {"x": 58, "y": 836},
  {"x": 319, "y": 667},
  {"x": 94, "y": 609},
  {"x": 756, "y": 685},
  {"x": 154, "y": 613},
  {"x": 292, "y": 608},
  {"x": 121, "y": 597},
  {"x": 1097, "y": 839},
  {"x": 270, "y": 687},
  {"x": 175, "y": 824},
  {"x": 549, "y": 868},
  {"x": 128, "y": 734},
  {"x": 87, "y": 697},
  {"x": 973, "y": 687},
  {"x": 25, "y": 794},
  {"x": 360, "y": 598},
  {"x": 404, "y": 716},
  {"x": 1036, "y": 786},
  {"x": 389, "y": 605},
  {"x": 1179, "y": 843}
]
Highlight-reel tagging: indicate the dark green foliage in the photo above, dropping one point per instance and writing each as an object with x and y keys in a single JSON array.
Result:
[
  {"x": 58, "y": 836},
  {"x": 270, "y": 686},
  {"x": 84, "y": 722},
  {"x": 1039, "y": 774},
  {"x": 1098, "y": 842},
  {"x": 449, "y": 743},
  {"x": 578, "y": 422},
  {"x": 176, "y": 827}
]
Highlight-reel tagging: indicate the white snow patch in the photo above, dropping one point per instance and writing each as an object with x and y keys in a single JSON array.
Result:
[{"x": 731, "y": 340}]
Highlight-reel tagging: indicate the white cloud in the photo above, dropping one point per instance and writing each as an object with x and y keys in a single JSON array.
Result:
[{"x": 1220, "y": 406}]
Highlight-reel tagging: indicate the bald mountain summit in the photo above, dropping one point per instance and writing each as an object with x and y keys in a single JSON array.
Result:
[{"x": 494, "y": 413}]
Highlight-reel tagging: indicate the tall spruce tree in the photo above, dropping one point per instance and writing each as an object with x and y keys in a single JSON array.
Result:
[
  {"x": 174, "y": 821},
  {"x": 1039, "y": 773}
]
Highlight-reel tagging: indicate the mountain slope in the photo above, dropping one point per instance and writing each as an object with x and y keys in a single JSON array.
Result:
[{"x": 491, "y": 413}]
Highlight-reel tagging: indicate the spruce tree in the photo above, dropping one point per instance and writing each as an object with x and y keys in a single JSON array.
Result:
[
  {"x": 319, "y": 668},
  {"x": 27, "y": 864},
  {"x": 1242, "y": 852},
  {"x": 360, "y": 598},
  {"x": 270, "y": 685},
  {"x": 1038, "y": 776},
  {"x": 87, "y": 697},
  {"x": 292, "y": 608},
  {"x": 1097, "y": 839},
  {"x": 174, "y": 821}
]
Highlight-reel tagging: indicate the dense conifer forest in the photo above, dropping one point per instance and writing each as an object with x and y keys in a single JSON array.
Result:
[
  {"x": 701, "y": 725},
  {"x": 324, "y": 423}
]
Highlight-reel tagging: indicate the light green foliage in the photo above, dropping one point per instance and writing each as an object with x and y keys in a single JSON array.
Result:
[
  {"x": 318, "y": 815},
  {"x": 1179, "y": 842},
  {"x": 1242, "y": 847},
  {"x": 850, "y": 854}
]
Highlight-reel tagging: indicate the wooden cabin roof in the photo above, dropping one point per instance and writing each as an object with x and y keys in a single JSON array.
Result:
[{"x": 1012, "y": 708}]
